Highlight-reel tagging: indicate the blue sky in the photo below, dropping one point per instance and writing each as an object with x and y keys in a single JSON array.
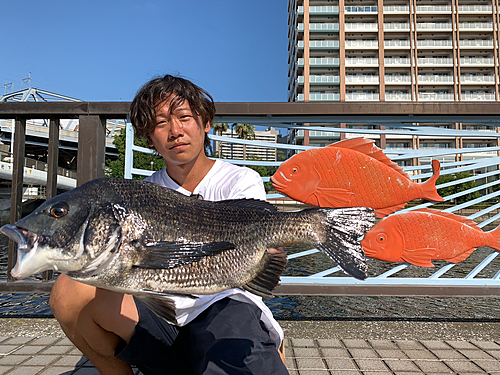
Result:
[{"x": 105, "y": 50}]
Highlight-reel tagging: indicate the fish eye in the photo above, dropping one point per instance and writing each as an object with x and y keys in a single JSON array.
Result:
[
  {"x": 294, "y": 170},
  {"x": 59, "y": 210},
  {"x": 381, "y": 238}
]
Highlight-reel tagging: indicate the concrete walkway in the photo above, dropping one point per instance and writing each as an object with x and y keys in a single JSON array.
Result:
[{"x": 38, "y": 346}]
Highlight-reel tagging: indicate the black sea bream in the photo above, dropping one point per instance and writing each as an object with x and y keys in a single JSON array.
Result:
[{"x": 141, "y": 238}]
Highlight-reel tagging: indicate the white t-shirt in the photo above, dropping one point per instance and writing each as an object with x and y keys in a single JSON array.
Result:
[{"x": 223, "y": 181}]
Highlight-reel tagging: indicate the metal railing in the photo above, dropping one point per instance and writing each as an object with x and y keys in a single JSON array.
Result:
[{"x": 388, "y": 123}]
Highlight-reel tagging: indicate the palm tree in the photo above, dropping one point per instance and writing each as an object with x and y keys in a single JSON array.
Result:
[
  {"x": 219, "y": 128},
  {"x": 245, "y": 131}
]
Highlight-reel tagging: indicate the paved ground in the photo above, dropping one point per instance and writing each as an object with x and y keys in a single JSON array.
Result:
[{"x": 37, "y": 346}]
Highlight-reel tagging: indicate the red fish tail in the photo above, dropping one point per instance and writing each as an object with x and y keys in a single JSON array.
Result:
[
  {"x": 495, "y": 242},
  {"x": 429, "y": 186}
]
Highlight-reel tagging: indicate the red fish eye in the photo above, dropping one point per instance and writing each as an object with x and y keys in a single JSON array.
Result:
[
  {"x": 294, "y": 169},
  {"x": 381, "y": 238}
]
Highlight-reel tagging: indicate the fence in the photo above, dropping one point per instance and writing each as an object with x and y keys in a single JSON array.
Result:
[{"x": 389, "y": 122}]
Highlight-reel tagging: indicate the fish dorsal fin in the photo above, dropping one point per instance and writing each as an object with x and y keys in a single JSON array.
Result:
[
  {"x": 264, "y": 283},
  {"x": 171, "y": 254},
  {"x": 449, "y": 215},
  {"x": 368, "y": 147},
  {"x": 254, "y": 204}
]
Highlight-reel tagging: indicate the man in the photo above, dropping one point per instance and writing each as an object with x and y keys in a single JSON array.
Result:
[{"x": 232, "y": 332}]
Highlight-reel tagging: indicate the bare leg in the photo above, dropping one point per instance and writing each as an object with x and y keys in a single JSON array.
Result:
[{"x": 95, "y": 320}]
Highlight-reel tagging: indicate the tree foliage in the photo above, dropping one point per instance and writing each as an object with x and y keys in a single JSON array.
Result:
[
  {"x": 116, "y": 168},
  {"x": 454, "y": 189}
]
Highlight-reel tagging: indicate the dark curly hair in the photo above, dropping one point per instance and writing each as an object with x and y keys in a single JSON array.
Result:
[{"x": 155, "y": 92}]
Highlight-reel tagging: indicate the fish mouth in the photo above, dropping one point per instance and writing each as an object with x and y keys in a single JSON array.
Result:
[
  {"x": 24, "y": 238},
  {"x": 27, "y": 245},
  {"x": 277, "y": 185}
]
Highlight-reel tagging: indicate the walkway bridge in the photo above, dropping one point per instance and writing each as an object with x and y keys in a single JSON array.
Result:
[{"x": 418, "y": 123}]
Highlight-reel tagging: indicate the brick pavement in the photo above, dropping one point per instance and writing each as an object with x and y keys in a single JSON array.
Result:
[
  {"x": 56, "y": 355},
  {"x": 38, "y": 346}
]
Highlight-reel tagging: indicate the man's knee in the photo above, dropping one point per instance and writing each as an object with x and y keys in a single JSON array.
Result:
[{"x": 68, "y": 298}]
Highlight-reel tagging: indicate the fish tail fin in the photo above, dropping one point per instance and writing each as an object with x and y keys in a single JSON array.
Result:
[
  {"x": 343, "y": 228},
  {"x": 495, "y": 233},
  {"x": 274, "y": 264},
  {"x": 429, "y": 186}
]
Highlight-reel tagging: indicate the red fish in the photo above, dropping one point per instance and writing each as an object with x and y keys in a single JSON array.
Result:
[
  {"x": 421, "y": 236},
  {"x": 351, "y": 173}
]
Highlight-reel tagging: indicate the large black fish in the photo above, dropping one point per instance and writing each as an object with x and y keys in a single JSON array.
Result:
[{"x": 141, "y": 238}]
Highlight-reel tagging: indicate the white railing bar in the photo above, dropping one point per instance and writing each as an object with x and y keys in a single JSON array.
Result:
[
  {"x": 442, "y": 270},
  {"x": 326, "y": 272},
  {"x": 392, "y": 271},
  {"x": 481, "y": 266}
]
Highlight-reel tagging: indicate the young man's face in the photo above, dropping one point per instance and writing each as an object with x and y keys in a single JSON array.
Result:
[{"x": 179, "y": 136}]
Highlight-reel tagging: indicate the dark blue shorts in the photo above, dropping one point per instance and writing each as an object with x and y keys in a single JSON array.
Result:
[{"x": 226, "y": 339}]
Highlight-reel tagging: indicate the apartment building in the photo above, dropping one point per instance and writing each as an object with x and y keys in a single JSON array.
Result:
[
  {"x": 394, "y": 50},
  {"x": 237, "y": 151}
]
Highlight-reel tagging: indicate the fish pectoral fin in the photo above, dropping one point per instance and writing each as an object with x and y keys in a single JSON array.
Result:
[
  {"x": 266, "y": 280},
  {"x": 170, "y": 254},
  {"x": 419, "y": 257},
  {"x": 461, "y": 257},
  {"x": 160, "y": 304},
  {"x": 333, "y": 197}
]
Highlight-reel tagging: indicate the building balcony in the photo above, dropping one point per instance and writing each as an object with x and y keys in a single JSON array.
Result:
[
  {"x": 320, "y": 97},
  {"x": 393, "y": 26},
  {"x": 358, "y": 26},
  {"x": 432, "y": 44},
  {"x": 476, "y": 26},
  {"x": 435, "y": 79},
  {"x": 362, "y": 96},
  {"x": 324, "y": 62},
  {"x": 361, "y": 9},
  {"x": 477, "y": 61},
  {"x": 319, "y": 27},
  {"x": 320, "y": 80},
  {"x": 398, "y": 44},
  {"x": 434, "y": 26},
  {"x": 435, "y": 96},
  {"x": 435, "y": 9},
  {"x": 397, "y": 79},
  {"x": 484, "y": 96},
  {"x": 474, "y": 9},
  {"x": 397, "y": 96},
  {"x": 476, "y": 43},
  {"x": 396, "y": 9},
  {"x": 361, "y": 79},
  {"x": 361, "y": 61},
  {"x": 397, "y": 61},
  {"x": 320, "y": 44},
  {"x": 320, "y": 10},
  {"x": 480, "y": 79},
  {"x": 365, "y": 44},
  {"x": 436, "y": 61}
]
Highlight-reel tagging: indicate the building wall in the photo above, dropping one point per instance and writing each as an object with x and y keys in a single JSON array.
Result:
[{"x": 394, "y": 50}]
